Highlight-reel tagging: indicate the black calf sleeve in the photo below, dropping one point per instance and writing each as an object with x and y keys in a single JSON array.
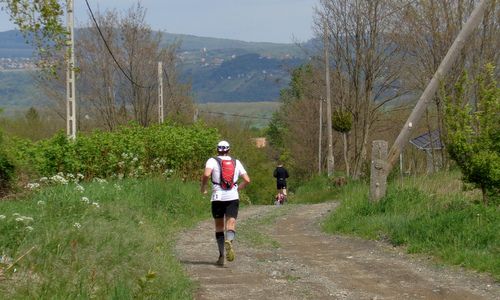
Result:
[{"x": 219, "y": 236}]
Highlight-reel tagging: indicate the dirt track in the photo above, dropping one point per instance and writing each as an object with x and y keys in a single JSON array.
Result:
[{"x": 300, "y": 262}]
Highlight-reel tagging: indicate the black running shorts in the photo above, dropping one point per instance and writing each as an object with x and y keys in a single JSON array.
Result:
[
  {"x": 281, "y": 185},
  {"x": 225, "y": 208}
]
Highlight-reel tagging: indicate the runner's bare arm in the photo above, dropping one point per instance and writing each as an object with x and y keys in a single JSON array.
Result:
[
  {"x": 244, "y": 183},
  {"x": 204, "y": 179}
]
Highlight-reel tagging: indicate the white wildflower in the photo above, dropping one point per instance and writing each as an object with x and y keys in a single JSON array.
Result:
[
  {"x": 70, "y": 176},
  {"x": 79, "y": 188},
  {"x": 15, "y": 214},
  {"x": 43, "y": 179},
  {"x": 101, "y": 181},
  {"x": 59, "y": 179},
  {"x": 118, "y": 187},
  {"x": 121, "y": 164},
  {"x": 141, "y": 222},
  {"x": 77, "y": 225},
  {"x": 135, "y": 159},
  {"x": 124, "y": 155},
  {"x": 29, "y": 228},
  {"x": 95, "y": 204},
  {"x": 24, "y": 219},
  {"x": 32, "y": 186},
  {"x": 80, "y": 176},
  {"x": 2, "y": 217},
  {"x": 86, "y": 200},
  {"x": 40, "y": 202}
]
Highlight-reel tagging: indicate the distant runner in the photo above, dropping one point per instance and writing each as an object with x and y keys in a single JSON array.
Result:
[
  {"x": 281, "y": 174},
  {"x": 224, "y": 172}
]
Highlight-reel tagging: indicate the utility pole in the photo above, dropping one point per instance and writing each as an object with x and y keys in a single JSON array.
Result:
[
  {"x": 330, "y": 159},
  {"x": 70, "y": 75},
  {"x": 320, "y": 133},
  {"x": 160, "y": 92},
  {"x": 429, "y": 92}
]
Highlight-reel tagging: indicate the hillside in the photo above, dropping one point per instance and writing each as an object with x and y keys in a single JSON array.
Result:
[{"x": 220, "y": 70}]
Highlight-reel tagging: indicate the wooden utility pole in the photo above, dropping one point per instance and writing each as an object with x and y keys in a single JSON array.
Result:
[
  {"x": 320, "y": 133},
  {"x": 70, "y": 74},
  {"x": 160, "y": 92},
  {"x": 429, "y": 92},
  {"x": 330, "y": 159}
]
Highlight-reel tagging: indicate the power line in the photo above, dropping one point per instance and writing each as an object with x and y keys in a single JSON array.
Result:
[
  {"x": 234, "y": 115},
  {"x": 253, "y": 117},
  {"x": 110, "y": 52}
]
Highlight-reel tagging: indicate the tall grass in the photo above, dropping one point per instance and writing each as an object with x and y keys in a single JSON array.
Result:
[
  {"x": 317, "y": 189},
  {"x": 430, "y": 215},
  {"x": 111, "y": 240}
]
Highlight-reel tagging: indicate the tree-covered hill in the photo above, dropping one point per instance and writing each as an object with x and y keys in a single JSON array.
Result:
[{"x": 220, "y": 70}]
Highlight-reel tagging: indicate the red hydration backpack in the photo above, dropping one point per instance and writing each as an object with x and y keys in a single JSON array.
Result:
[{"x": 226, "y": 167}]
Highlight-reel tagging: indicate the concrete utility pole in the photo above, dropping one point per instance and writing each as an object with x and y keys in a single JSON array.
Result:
[
  {"x": 160, "y": 92},
  {"x": 378, "y": 178},
  {"x": 70, "y": 75},
  {"x": 429, "y": 92},
  {"x": 330, "y": 159}
]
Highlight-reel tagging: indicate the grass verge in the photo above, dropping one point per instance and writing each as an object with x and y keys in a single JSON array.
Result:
[
  {"x": 318, "y": 189},
  {"x": 107, "y": 241},
  {"x": 430, "y": 215}
]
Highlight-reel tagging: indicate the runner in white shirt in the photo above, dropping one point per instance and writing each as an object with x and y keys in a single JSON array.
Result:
[{"x": 225, "y": 203}]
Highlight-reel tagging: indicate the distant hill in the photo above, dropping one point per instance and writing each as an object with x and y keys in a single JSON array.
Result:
[{"x": 220, "y": 70}]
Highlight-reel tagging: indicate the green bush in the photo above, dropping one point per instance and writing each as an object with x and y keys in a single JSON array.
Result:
[
  {"x": 6, "y": 169},
  {"x": 473, "y": 140},
  {"x": 131, "y": 151}
]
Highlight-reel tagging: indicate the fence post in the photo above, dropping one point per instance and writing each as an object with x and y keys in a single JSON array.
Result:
[{"x": 378, "y": 176}]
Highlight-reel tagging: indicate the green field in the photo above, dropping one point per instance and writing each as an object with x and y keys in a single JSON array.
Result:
[{"x": 257, "y": 114}]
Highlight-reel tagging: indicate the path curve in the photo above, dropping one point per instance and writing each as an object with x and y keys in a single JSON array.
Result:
[{"x": 301, "y": 262}]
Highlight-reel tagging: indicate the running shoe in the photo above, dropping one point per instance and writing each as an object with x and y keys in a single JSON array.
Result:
[
  {"x": 229, "y": 250},
  {"x": 220, "y": 261}
]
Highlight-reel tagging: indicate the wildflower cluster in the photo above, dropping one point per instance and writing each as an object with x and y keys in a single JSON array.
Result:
[
  {"x": 59, "y": 178},
  {"x": 20, "y": 221}
]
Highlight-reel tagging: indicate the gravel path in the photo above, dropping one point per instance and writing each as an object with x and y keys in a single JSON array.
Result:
[{"x": 281, "y": 253}]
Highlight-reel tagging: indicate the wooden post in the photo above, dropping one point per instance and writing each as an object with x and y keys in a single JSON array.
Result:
[
  {"x": 429, "y": 92},
  {"x": 378, "y": 177},
  {"x": 329, "y": 159}
]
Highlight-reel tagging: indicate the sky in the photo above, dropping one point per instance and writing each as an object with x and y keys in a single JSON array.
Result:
[{"x": 278, "y": 21}]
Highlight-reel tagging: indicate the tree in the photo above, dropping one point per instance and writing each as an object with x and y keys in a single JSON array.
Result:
[
  {"x": 473, "y": 140},
  {"x": 427, "y": 30},
  {"x": 40, "y": 22},
  {"x": 295, "y": 126},
  {"x": 114, "y": 89},
  {"x": 366, "y": 63}
]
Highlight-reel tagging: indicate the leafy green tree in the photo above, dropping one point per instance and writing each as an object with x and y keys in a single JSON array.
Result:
[
  {"x": 41, "y": 23},
  {"x": 473, "y": 140}
]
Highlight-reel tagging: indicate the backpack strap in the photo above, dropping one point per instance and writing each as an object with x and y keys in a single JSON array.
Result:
[{"x": 219, "y": 162}]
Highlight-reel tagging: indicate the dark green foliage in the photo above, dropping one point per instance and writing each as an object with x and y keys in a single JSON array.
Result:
[
  {"x": 342, "y": 121},
  {"x": 130, "y": 151},
  {"x": 473, "y": 140},
  {"x": 6, "y": 169}
]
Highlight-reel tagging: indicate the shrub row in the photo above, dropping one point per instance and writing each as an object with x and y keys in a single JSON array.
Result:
[{"x": 130, "y": 151}]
